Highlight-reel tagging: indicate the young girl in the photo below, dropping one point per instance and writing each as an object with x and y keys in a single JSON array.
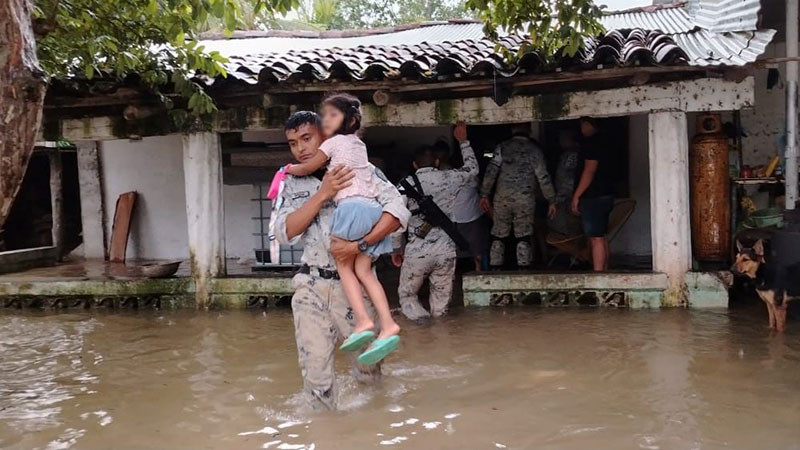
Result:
[{"x": 357, "y": 211}]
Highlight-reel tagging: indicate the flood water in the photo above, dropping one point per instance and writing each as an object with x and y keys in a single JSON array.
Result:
[{"x": 512, "y": 378}]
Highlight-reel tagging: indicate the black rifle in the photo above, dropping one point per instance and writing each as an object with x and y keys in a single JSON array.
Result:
[{"x": 431, "y": 212}]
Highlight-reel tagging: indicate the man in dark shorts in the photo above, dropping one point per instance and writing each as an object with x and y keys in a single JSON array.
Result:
[{"x": 593, "y": 197}]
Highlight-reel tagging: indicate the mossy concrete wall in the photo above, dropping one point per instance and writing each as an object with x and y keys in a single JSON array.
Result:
[{"x": 179, "y": 292}]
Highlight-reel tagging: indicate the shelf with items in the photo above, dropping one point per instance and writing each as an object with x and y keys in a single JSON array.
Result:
[{"x": 757, "y": 181}]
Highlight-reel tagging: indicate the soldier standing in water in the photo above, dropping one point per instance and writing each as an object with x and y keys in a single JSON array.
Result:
[
  {"x": 429, "y": 252},
  {"x": 322, "y": 315},
  {"x": 513, "y": 172}
]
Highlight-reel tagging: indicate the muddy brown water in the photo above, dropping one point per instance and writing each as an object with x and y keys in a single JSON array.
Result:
[{"x": 512, "y": 378}]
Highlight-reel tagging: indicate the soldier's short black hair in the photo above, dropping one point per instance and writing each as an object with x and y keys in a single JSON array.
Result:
[
  {"x": 301, "y": 118},
  {"x": 442, "y": 150},
  {"x": 592, "y": 121},
  {"x": 425, "y": 156}
]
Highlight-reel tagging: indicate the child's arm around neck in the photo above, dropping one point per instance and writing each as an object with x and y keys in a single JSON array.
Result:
[{"x": 307, "y": 168}]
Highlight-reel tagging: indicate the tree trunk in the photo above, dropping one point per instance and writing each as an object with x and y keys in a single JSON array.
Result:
[{"x": 22, "y": 89}]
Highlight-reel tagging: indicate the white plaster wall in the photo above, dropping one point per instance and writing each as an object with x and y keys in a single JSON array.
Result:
[
  {"x": 154, "y": 168},
  {"x": 634, "y": 237},
  {"x": 765, "y": 124},
  {"x": 239, "y": 226}
]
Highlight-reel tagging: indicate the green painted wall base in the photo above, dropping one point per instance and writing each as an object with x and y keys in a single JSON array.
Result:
[
  {"x": 633, "y": 290},
  {"x": 708, "y": 289},
  {"x": 165, "y": 293}
]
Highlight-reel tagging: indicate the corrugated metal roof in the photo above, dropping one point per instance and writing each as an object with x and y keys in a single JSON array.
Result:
[
  {"x": 446, "y": 32},
  {"x": 706, "y": 48},
  {"x": 432, "y": 50},
  {"x": 669, "y": 20},
  {"x": 725, "y": 15}
]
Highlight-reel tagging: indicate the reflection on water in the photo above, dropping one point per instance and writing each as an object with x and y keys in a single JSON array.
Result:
[{"x": 501, "y": 378}]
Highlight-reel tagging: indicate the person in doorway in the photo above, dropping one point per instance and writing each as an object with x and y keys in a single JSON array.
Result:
[
  {"x": 468, "y": 216},
  {"x": 593, "y": 198},
  {"x": 322, "y": 314},
  {"x": 563, "y": 221},
  {"x": 426, "y": 251},
  {"x": 516, "y": 166}
]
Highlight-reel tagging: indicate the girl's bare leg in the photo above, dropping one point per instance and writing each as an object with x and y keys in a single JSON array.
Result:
[
  {"x": 363, "y": 269},
  {"x": 352, "y": 289}
]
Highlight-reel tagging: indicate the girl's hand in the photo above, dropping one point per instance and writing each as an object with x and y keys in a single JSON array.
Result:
[
  {"x": 335, "y": 180},
  {"x": 288, "y": 169}
]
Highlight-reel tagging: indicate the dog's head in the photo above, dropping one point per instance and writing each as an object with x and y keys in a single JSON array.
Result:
[{"x": 748, "y": 259}]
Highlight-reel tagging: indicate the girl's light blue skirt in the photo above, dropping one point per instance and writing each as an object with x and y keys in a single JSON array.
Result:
[{"x": 354, "y": 218}]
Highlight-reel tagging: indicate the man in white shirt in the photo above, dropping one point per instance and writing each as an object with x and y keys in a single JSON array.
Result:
[{"x": 467, "y": 213}]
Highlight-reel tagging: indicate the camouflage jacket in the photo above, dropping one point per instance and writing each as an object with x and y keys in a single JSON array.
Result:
[
  {"x": 565, "y": 175},
  {"x": 317, "y": 237},
  {"x": 515, "y": 167},
  {"x": 443, "y": 186}
]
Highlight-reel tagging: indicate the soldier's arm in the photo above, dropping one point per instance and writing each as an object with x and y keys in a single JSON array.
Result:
[
  {"x": 290, "y": 201},
  {"x": 400, "y": 237},
  {"x": 540, "y": 169},
  {"x": 390, "y": 199},
  {"x": 299, "y": 210},
  {"x": 470, "y": 168},
  {"x": 491, "y": 173}
]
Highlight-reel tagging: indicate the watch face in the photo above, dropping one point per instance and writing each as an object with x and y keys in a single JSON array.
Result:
[{"x": 362, "y": 246}]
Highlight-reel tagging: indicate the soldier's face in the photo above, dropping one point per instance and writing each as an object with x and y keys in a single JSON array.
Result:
[{"x": 304, "y": 141}]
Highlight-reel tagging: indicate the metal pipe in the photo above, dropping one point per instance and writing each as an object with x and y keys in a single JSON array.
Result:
[{"x": 791, "y": 103}]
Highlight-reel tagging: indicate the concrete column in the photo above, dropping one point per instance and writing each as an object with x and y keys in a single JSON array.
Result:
[
  {"x": 93, "y": 231},
  {"x": 202, "y": 168},
  {"x": 669, "y": 201},
  {"x": 57, "y": 201}
]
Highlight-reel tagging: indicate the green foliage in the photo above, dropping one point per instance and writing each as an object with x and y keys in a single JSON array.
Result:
[
  {"x": 553, "y": 25},
  {"x": 351, "y": 14},
  {"x": 155, "y": 39}
]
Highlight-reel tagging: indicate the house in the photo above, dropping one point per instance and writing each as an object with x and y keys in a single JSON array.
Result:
[{"x": 201, "y": 194}]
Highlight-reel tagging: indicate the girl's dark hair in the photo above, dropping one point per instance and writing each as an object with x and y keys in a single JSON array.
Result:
[{"x": 350, "y": 107}]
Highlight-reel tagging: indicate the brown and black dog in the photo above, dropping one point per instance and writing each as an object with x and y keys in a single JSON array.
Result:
[{"x": 775, "y": 285}]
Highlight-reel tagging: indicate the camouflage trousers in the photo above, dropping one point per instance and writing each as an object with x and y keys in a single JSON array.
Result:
[
  {"x": 322, "y": 319},
  {"x": 440, "y": 271},
  {"x": 516, "y": 213}
]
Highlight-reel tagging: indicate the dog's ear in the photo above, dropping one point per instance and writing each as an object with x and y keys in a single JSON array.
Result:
[
  {"x": 739, "y": 246},
  {"x": 758, "y": 247}
]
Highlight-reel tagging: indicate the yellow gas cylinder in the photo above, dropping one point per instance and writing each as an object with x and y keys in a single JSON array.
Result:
[{"x": 711, "y": 213}]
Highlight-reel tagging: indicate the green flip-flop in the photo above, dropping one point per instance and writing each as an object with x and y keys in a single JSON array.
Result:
[
  {"x": 379, "y": 350},
  {"x": 356, "y": 341}
]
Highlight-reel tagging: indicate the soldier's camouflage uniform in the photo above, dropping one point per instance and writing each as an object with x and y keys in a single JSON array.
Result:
[
  {"x": 564, "y": 221},
  {"x": 322, "y": 315},
  {"x": 434, "y": 256},
  {"x": 515, "y": 168}
]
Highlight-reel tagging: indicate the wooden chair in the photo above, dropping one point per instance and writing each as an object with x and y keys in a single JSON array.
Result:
[{"x": 577, "y": 246}]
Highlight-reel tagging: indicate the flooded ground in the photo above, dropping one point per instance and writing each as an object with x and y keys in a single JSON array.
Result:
[{"x": 500, "y": 378}]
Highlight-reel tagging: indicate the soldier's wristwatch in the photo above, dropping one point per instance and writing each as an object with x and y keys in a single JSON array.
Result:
[{"x": 362, "y": 245}]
